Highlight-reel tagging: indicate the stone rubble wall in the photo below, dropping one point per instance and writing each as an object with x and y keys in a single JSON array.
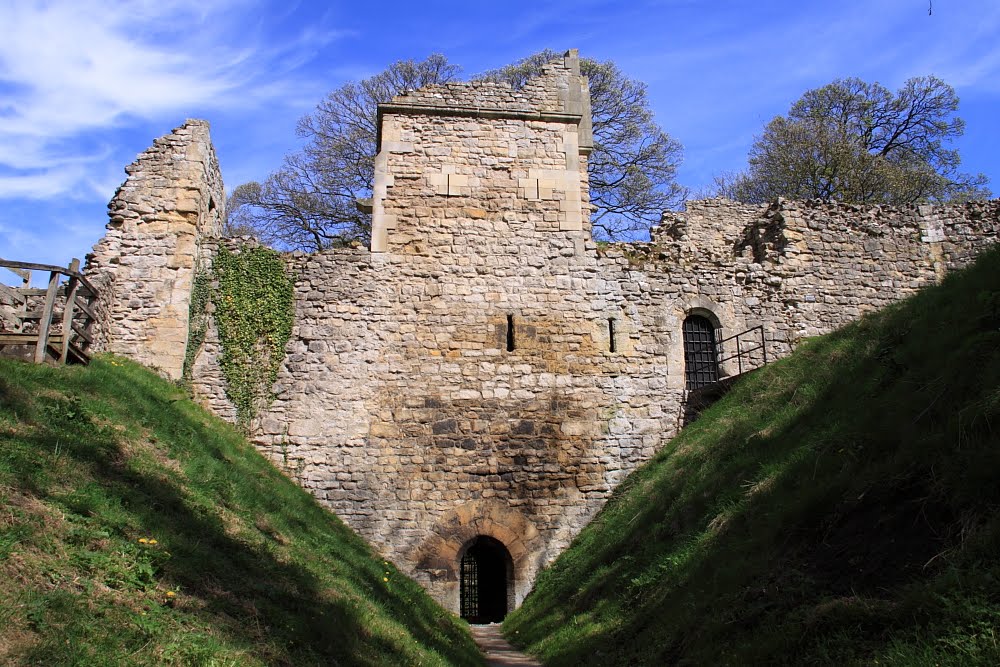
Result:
[
  {"x": 399, "y": 404},
  {"x": 172, "y": 199},
  {"x": 806, "y": 268},
  {"x": 401, "y": 409}
]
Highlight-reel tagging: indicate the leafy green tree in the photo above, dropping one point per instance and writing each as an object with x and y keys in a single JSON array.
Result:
[
  {"x": 633, "y": 166},
  {"x": 858, "y": 142},
  {"x": 309, "y": 203}
]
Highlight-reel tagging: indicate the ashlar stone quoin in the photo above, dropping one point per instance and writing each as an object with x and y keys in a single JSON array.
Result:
[{"x": 455, "y": 383}]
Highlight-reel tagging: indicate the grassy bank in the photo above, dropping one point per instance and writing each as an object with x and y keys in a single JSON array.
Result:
[
  {"x": 137, "y": 529},
  {"x": 841, "y": 506}
]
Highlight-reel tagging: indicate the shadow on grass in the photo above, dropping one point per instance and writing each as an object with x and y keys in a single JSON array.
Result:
[
  {"x": 812, "y": 516},
  {"x": 261, "y": 600}
]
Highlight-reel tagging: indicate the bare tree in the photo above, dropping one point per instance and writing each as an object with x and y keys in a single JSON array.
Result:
[
  {"x": 309, "y": 203},
  {"x": 858, "y": 142}
]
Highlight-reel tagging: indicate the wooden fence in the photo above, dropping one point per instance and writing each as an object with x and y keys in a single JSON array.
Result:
[{"x": 57, "y": 321}]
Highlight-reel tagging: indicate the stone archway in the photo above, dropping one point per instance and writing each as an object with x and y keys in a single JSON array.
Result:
[
  {"x": 717, "y": 318},
  {"x": 438, "y": 559},
  {"x": 486, "y": 581}
]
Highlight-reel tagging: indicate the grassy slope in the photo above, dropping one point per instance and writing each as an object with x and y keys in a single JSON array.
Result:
[
  {"x": 246, "y": 568},
  {"x": 841, "y": 506}
]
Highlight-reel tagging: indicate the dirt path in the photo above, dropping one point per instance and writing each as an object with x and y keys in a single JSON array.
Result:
[{"x": 498, "y": 652}]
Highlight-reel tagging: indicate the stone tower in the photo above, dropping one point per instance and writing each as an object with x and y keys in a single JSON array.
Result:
[
  {"x": 452, "y": 388},
  {"x": 481, "y": 144}
]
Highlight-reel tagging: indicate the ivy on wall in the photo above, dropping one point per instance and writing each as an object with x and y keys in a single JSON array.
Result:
[
  {"x": 201, "y": 296},
  {"x": 254, "y": 312}
]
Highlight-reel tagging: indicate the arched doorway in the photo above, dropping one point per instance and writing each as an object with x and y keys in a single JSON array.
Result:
[
  {"x": 701, "y": 359},
  {"x": 487, "y": 581}
]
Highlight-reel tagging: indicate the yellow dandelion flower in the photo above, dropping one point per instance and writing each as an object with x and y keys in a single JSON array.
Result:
[
  {"x": 152, "y": 541},
  {"x": 143, "y": 540},
  {"x": 171, "y": 594},
  {"x": 385, "y": 578}
]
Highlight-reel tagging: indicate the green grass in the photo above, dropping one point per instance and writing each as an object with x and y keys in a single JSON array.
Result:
[
  {"x": 246, "y": 568},
  {"x": 839, "y": 507}
]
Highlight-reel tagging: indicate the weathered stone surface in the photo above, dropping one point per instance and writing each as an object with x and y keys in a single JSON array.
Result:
[
  {"x": 144, "y": 265},
  {"x": 399, "y": 404}
]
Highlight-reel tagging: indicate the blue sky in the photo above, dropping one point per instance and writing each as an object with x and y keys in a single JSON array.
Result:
[{"x": 85, "y": 85}]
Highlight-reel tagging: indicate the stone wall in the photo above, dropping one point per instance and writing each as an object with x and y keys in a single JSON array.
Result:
[
  {"x": 461, "y": 140},
  {"x": 806, "y": 268},
  {"x": 172, "y": 199},
  {"x": 400, "y": 405},
  {"x": 487, "y": 369}
]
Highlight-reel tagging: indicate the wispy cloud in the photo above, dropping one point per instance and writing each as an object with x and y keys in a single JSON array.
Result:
[
  {"x": 68, "y": 67},
  {"x": 967, "y": 57},
  {"x": 45, "y": 183}
]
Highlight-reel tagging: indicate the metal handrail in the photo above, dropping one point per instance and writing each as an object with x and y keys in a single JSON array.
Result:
[{"x": 740, "y": 351}]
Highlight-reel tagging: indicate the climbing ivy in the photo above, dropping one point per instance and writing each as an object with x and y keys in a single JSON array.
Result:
[
  {"x": 253, "y": 310},
  {"x": 201, "y": 296}
]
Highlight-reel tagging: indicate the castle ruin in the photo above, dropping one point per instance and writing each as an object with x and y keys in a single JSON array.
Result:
[{"x": 467, "y": 393}]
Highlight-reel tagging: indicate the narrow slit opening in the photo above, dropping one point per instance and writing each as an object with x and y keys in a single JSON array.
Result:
[
  {"x": 510, "y": 333},
  {"x": 612, "y": 347}
]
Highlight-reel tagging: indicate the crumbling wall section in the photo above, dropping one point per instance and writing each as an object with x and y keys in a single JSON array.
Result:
[
  {"x": 806, "y": 268},
  {"x": 172, "y": 199}
]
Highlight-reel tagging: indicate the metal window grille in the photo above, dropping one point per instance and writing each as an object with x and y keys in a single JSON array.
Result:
[
  {"x": 701, "y": 359},
  {"x": 470, "y": 587}
]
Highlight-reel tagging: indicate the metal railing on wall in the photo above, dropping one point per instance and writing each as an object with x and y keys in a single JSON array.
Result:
[
  {"x": 57, "y": 320},
  {"x": 744, "y": 354},
  {"x": 750, "y": 353}
]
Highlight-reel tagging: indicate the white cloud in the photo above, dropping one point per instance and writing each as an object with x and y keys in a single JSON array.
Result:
[
  {"x": 76, "y": 65},
  {"x": 42, "y": 184},
  {"x": 70, "y": 67}
]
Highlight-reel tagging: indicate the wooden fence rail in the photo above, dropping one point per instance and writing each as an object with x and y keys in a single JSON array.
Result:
[{"x": 57, "y": 320}]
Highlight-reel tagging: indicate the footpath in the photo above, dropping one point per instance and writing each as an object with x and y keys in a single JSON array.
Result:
[{"x": 498, "y": 652}]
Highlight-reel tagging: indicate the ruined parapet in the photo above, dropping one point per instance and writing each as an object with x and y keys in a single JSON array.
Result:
[
  {"x": 708, "y": 227},
  {"x": 912, "y": 245},
  {"x": 487, "y": 149},
  {"x": 934, "y": 237},
  {"x": 803, "y": 268},
  {"x": 962, "y": 230},
  {"x": 172, "y": 199}
]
